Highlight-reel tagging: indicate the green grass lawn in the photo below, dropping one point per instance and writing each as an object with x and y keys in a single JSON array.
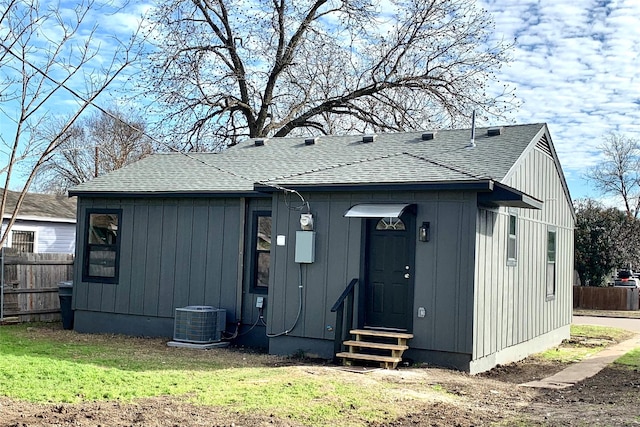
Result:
[
  {"x": 630, "y": 360},
  {"x": 42, "y": 363},
  {"x": 585, "y": 341}
]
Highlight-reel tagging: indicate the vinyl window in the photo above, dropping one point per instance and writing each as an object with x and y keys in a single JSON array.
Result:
[
  {"x": 512, "y": 240},
  {"x": 261, "y": 241},
  {"x": 102, "y": 246},
  {"x": 551, "y": 263}
]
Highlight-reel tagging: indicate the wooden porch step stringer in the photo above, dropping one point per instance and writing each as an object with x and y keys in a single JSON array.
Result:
[{"x": 369, "y": 341}]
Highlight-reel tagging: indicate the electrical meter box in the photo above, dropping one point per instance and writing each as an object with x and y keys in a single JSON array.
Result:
[{"x": 305, "y": 247}]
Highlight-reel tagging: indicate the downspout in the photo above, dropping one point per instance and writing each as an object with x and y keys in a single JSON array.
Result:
[{"x": 240, "y": 276}]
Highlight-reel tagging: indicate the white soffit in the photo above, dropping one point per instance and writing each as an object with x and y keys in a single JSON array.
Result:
[{"x": 376, "y": 210}]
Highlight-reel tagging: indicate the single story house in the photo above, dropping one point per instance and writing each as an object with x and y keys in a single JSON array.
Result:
[
  {"x": 45, "y": 223},
  {"x": 462, "y": 246}
]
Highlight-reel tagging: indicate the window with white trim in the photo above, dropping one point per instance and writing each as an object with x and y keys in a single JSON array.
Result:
[
  {"x": 512, "y": 240},
  {"x": 551, "y": 263}
]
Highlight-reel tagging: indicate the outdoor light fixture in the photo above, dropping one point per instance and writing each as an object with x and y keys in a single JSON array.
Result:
[{"x": 425, "y": 232}]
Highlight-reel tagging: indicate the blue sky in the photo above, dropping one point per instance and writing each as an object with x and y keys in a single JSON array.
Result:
[{"x": 576, "y": 66}]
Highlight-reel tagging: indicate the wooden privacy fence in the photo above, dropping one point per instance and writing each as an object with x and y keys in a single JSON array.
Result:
[
  {"x": 609, "y": 298},
  {"x": 30, "y": 285}
]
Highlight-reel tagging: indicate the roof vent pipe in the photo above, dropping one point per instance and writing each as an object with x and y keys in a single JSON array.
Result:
[
  {"x": 310, "y": 141},
  {"x": 259, "y": 142},
  {"x": 472, "y": 143}
]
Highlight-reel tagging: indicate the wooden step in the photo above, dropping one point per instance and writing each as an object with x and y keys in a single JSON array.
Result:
[
  {"x": 373, "y": 341},
  {"x": 370, "y": 357},
  {"x": 377, "y": 345},
  {"x": 379, "y": 333}
]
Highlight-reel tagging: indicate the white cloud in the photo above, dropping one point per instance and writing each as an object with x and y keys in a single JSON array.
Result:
[
  {"x": 127, "y": 21},
  {"x": 575, "y": 66}
]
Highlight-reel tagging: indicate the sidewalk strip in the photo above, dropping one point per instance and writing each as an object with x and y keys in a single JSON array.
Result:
[{"x": 587, "y": 367}]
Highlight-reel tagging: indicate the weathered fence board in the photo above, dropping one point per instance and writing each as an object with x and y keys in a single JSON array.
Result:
[
  {"x": 30, "y": 285},
  {"x": 609, "y": 298}
]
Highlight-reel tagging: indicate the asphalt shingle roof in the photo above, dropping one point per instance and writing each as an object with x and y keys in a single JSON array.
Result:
[
  {"x": 45, "y": 206},
  {"x": 391, "y": 158}
]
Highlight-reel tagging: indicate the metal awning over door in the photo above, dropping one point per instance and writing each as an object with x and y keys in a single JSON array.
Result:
[{"x": 377, "y": 210}]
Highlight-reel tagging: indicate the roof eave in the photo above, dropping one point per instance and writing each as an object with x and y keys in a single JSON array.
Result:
[{"x": 503, "y": 195}]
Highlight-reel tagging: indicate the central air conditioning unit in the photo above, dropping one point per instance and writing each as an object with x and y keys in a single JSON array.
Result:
[{"x": 199, "y": 324}]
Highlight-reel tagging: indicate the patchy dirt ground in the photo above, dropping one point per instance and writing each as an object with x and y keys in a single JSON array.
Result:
[{"x": 611, "y": 398}]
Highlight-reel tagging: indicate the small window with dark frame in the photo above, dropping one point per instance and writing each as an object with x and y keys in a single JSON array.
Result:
[
  {"x": 102, "y": 249},
  {"x": 23, "y": 241},
  {"x": 512, "y": 241},
  {"x": 551, "y": 263},
  {"x": 262, "y": 250},
  {"x": 389, "y": 223}
]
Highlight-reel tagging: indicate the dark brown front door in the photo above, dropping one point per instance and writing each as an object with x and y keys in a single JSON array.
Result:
[{"x": 389, "y": 272}]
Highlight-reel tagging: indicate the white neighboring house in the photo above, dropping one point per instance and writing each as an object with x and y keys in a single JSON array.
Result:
[{"x": 45, "y": 223}]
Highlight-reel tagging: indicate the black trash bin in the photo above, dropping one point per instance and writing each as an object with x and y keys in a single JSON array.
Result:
[{"x": 65, "y": 292}]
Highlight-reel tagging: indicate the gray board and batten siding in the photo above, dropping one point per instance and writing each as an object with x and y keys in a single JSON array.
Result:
[
  {"x": 443, "y": 272},
  {"x": 160, "y": 271},
  {"x": 512, "y": 308},
  {"x": 187, "y": 223},
  {"x": 173, "y": 253}
]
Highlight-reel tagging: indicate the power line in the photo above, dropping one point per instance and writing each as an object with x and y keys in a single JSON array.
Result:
[{"x": 143, "y": 132}]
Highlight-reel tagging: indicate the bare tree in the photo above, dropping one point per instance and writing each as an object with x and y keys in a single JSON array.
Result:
[
  {"x": 226, "y": 69},
  {"x": 48, "y": 55},
  {"x": 93, "y": 146},
  {"x": 618, "y": 174}
]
